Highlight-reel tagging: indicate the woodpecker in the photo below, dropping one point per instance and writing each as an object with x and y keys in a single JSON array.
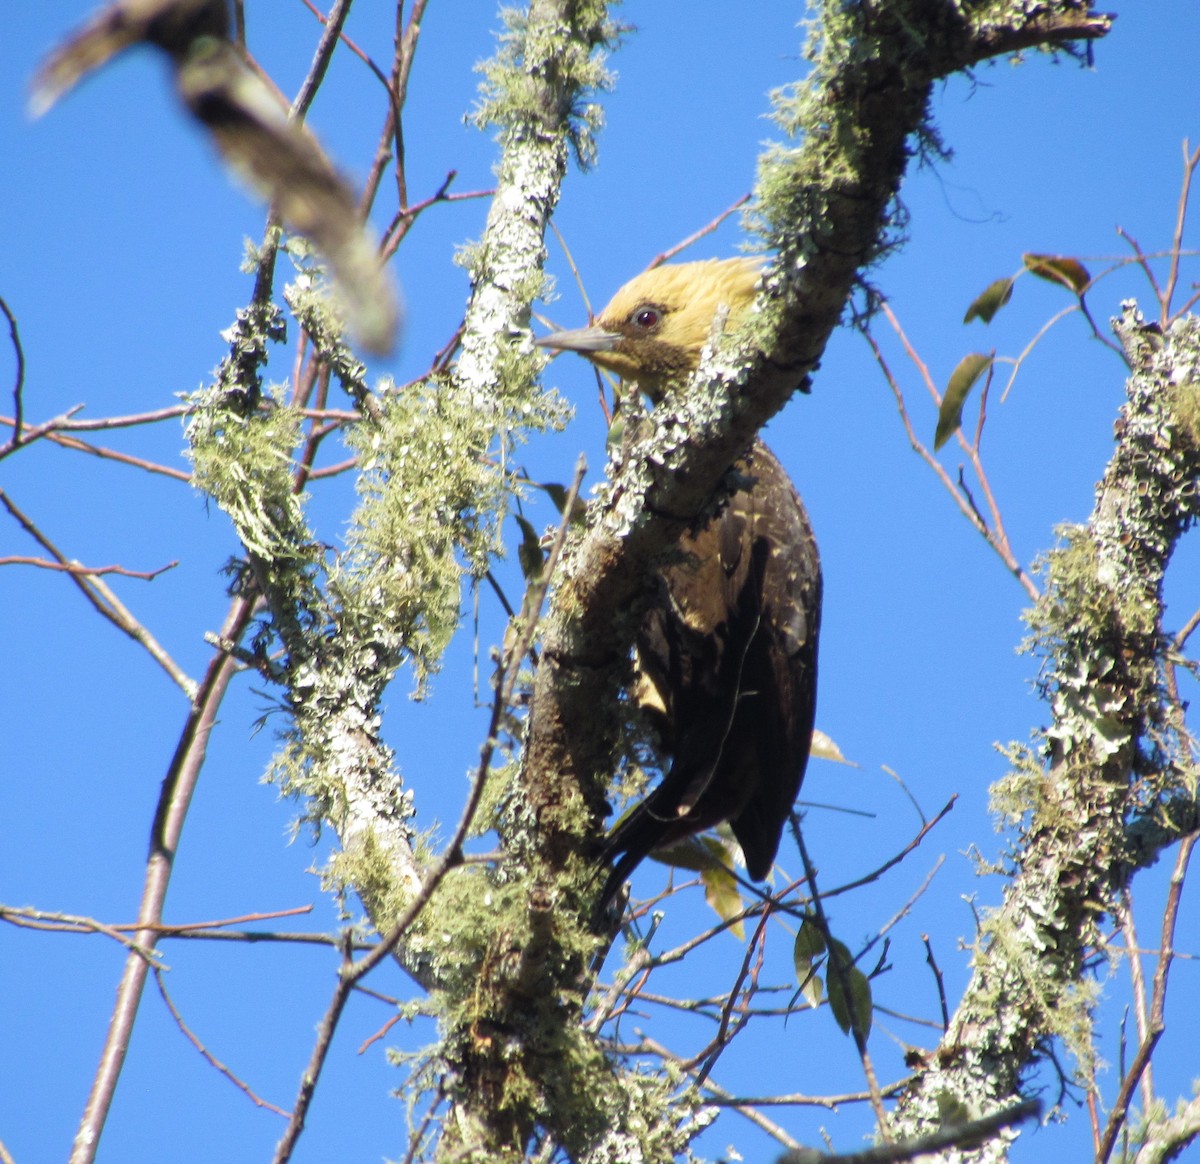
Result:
[{"x": 725, "y": 660}]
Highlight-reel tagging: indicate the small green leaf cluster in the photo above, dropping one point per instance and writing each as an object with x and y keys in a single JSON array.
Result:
[{"x": 847, "y": 988}]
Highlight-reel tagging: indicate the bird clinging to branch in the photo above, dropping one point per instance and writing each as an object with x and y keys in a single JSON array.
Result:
[{"x": 726, "y": 657}]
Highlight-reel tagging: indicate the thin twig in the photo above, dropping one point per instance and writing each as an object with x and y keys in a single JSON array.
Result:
[
  {"x": 858, "y": 1024},
  {"x": 418, "y": 1136},
  {"x": 799, "y": 1099},
  {"x": 407, "y": 216},
  {"x": 322, "y": 57},
  {"x": 1138, "y": 982},
  {"x": 1157, "y": 1022},
  {"x": 1185, "y": 632},
  {"x": 892, "y": 862},
  {"x": 19, "y": 379},
  {"x": 707, "y": 1059},
  {"x": 1142, "y": 260},
  {"x": 312, "y": 1074},
  {"x": 79, "y": 568},
  {"x": 205, "y": 1053},
  {"x": 939, "y": 979},
  {"x": 920, "y": 448},
  {"x": 667, "y": 255},
  {"x": 1190, "y": 161},
  {"x": 67, "y": 422},
  {"x": 104, "y": 601},
  {"x": 103, "y": 453},
  {"x": 720, "y": 1095}
]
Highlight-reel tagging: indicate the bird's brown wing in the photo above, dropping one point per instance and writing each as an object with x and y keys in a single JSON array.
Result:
[
  {"x": 728, "y": 653},
  {"x": 773, "y": 721}
]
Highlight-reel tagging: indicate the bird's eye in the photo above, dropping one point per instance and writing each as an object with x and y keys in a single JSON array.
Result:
[{"x": 647, "y": 318}]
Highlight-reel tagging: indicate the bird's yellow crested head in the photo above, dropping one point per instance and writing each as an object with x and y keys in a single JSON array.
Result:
[{"x": 656, "y": 326}]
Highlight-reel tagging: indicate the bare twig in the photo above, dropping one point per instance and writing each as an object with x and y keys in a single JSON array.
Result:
[
  {"x": 407, "y": 216},
  {"x": 104, "y": 601},
  {"x": 19, "y": 379},
  {"x": 1186, "y": 631},
  {"x": 941, "y": 982},
  {"x": 721, "y": 1096},
  {"x": 322, "y": 57},
  {"x": 800, "y": 1099},
  {"x": 205, "y": 1053},
  {"x": 1156, "y": 1024},
  {"x": 706, "y": 1060},
  {"x": 892, "y": 862},
  {"x": 419, "y": 1133},
  {"x": 992, "y": 537},
  {"x": 1142, "y": 259},
  {"x": 858, "y": 1023},
  {"x": 1137, "y": 980},
  {"x": 79, "y": 568},
  {"x": 59, "y": 428},
  {"x": 667, "y": 255},
  {"x": 1190, "y": 161},
  {"x": 312, "y": 1074},
  {"x": 176, "y": 794},
  {"x": 67, "y": 923}
]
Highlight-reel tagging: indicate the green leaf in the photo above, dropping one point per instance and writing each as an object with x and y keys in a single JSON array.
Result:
[
  {"x": 722, "y": 895},
  {"x": 713, "y": 860},
  {"x": 1061, "y": 269},
  {"x": 849, "y": 992},
  {"x": 808, "y": 948},
  {"x": 962, "y": 380},
  {"x": 616, "y": 432},
  {"x": 990, "y": 300},
  {"x": 685, "y": 854},
  {"x": 529, "y": 552},
  {"x": 558, "y": 494}
]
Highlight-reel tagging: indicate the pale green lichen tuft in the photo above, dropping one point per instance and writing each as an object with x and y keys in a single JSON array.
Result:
[{"x": 534, "y": 59}]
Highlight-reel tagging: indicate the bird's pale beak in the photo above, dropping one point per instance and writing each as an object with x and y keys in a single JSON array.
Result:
[{"x": 582, "y": 339}]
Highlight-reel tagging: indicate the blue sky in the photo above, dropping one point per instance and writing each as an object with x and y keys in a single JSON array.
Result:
[{"x": 119, "y": 255}]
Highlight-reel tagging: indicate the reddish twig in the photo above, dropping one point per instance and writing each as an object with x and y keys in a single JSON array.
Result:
[
  {"x": 90, "y": 571},
  {"x": 407, "y": 216},
  {"x": 667, "y": 255},
  {"x": 727, "y": 1029},
  {"x": 1002, "y": 548}
]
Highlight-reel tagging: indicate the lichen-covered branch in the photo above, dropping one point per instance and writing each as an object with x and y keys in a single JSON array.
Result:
[
  {"x": 436, "y": 478},
  {"x": 1111, "y": 752},
  {"x": 1165, "y": 1136}
]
